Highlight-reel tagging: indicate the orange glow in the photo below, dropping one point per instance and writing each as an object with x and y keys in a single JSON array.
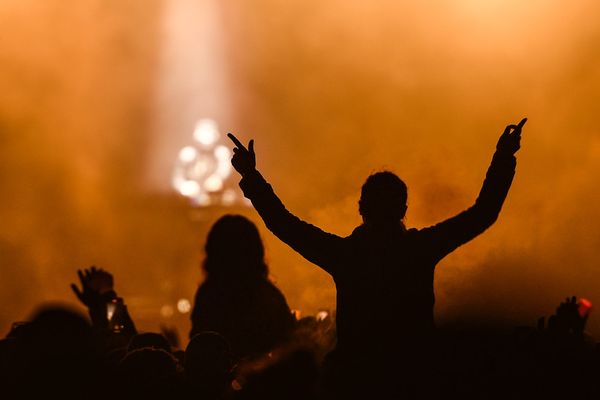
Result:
[{"x": 331, "y": 91}]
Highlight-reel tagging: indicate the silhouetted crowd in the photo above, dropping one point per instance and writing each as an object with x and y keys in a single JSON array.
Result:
[{"x": 245, "y": 343}]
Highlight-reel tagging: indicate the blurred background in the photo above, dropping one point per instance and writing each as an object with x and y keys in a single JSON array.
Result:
[{"x": 113, "y": 114}]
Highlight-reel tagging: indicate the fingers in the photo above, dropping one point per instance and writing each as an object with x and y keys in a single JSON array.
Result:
[
  {"x": 515, "y": 128},
  {"x": 236, "y": 141},
  {"x": 81, "y": 277},
  {"x": 251, "y": 146},
  {"x": 508, "y": 129},
  {"x": 76, "y": 291},
  {"x": 519, "y": 128}
]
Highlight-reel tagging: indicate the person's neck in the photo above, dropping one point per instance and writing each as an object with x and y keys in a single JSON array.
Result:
[{"x": 385, "y": 227}]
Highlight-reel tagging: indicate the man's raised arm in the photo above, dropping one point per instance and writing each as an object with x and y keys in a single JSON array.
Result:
[
  {"x": 311, "y": 242},
  {"x": 448, "y": 235}
]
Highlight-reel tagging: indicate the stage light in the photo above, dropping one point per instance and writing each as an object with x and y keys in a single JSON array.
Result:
[
  {"x": 223, "y": 156},
  {"x": 166, "y": 311},
  {"x": 322, "y": 315},
  {"x": 202, "y": 200},
  {"x": 202, "y": 168},
  {"x": 213, "y": 183},
  {"x": 184, "y": 306},
  {"x": 206, "y": 132},
  {"x": 229, "y": 196},
  {"x": 188, "y": 154},
  {"x": 189, "y": 188},
  {"x": 222, "y": 152}
]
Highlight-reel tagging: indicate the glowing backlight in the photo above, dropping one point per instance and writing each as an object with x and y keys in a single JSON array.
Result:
[{"x": 206, "y": 132}]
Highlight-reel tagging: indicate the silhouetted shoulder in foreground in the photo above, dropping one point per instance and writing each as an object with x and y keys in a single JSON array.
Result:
[{"x": 383, "y": 272}]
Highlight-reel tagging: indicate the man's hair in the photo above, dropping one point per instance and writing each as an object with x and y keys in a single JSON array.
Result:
[{"x": 383, "y": 198}]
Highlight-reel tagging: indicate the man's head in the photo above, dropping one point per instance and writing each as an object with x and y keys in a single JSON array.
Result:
[{"x": 383, "y": 199}]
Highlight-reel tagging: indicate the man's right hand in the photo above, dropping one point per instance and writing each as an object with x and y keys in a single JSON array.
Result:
[
  {"x": 244, "y": 159},
  {"x": 510, "y": 141}
]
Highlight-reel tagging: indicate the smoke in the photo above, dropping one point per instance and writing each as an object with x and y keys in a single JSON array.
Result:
[
  {"x": 331, "y": 92},
  {"x": 346, "y": 88}
]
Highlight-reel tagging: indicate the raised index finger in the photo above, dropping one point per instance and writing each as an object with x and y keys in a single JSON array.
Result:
[
  {"x": 522, "y": 123},
  {"x": 236, "y": 141}
]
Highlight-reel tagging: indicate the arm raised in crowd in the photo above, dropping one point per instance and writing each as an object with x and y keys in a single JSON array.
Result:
[
  {"x": 311, "y": 242},
  {"x": 453, "y": 232},
  {"x": 107, "y": 311}
]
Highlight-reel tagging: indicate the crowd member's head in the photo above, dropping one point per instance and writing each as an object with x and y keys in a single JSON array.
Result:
[
  {"x": 234, "y": 248},
  {"x": 149, "y": 340},
  {"x": 57, "y": 351},
  {"x": 383, "y": 199},
  {"x": 148, "y": 372}
]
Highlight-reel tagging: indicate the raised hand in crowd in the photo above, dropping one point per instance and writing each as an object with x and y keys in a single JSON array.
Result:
[
  {"x": 107, "y": 311},
  {"x": 244, "y": 159},
  {"x": 96, "y": 286},
  {"x": 510, "y": 141},
  {"x": 571, "y": 316}
]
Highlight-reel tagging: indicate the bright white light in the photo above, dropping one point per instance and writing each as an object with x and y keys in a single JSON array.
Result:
[
  {"x": 321, "y": 315},
  {"x": 202, "y": 168},
  {"x": 178, "y": 179},
  {"x": 222, "y": 152},
  {"x": 223, "y": 156},
  {"x": 188, "y": 154},
  {"x": 184, "y": 306},
  {"x": 166, "y": 311},
  {"x": 206, "y": 132},
  {"x": 189, "y": 188},
  {"x": 228, "y": 197},
  {"x": 213, "y": 183},
  {"x": 202, "y": 199}
]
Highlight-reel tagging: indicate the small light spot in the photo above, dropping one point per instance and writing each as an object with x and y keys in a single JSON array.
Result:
[
  {"x": 166, "y": 311},
  {"x": 188, "y": 154},
  {"x": 321, "y": 315},
  {"x": 228, "y": 197},
  {"x": 184, "y": 306},
  {"x": 222, "y": 153},
  {"x": 213, "y": 183},
  {"x": 189, "y": 188},
  {"x": 206, "y": 132},
  {"x": 235, "y": 385}
]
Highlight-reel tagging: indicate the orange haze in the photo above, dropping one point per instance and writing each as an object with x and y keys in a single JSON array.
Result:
[{"x": 331, "y": 91}]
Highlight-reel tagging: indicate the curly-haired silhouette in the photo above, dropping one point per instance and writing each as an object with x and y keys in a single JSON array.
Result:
[
  {"x": 383, "y": 272},
  {"x": 237, "y": 299}
]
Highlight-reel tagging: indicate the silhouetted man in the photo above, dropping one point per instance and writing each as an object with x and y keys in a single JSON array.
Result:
[{"x": 383, "y": 272}]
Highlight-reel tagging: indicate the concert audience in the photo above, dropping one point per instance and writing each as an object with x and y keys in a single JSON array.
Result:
[{"x": 59, "y": 353}]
